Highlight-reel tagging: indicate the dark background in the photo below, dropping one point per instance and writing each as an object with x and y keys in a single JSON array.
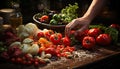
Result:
[{"x": 109, "y": 13}]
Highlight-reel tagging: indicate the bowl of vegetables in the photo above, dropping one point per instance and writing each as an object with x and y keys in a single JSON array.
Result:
[{"x": 56, "y": 20}]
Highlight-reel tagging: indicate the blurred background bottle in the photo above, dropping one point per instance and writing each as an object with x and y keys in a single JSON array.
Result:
[
  {"x": 1, "y": 21},
  {"x": 16, "y": 18}
]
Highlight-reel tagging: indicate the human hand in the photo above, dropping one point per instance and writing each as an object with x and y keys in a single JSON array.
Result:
[{"x": 80, "y": 23}]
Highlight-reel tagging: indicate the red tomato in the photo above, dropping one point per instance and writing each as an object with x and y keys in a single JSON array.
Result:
[
  {"x": 88, "y": 42},
  {"x": 50, "y": 51},
  {"x": 40, "y": 34},
  {"x": 116, "y": 26},
  {"x": 56, "y": 38},
  {"x": 48, "y": 33},
  {"x": 103, "y": 39},
  {"x": 94, "y": 32},
  {"x": 66, "y": 41},
  {"x": 44, "y": 18},
  {"x": 81, "y": 35}
]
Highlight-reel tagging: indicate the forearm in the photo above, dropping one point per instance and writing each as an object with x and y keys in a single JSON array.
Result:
[{"x": 94, "y": 9}]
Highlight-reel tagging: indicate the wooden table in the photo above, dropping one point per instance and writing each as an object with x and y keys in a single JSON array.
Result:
[{"x": 101, "y": 57}]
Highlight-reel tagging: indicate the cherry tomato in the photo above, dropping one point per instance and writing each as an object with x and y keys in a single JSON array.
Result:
[
  {"x": 88, "y": 42},
  {"x": 56, "y": 38},
  {"x": 103, "y": 39},
  {"x": 66, "y": 41},
  {"x": 94, "y": 32}
]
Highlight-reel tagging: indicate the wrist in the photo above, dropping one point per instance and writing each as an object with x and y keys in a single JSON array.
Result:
[{"x": 87, "y": 19}]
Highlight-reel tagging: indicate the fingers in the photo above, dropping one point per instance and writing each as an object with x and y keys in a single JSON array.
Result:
[
  {"x": 69, "y": 27},
  {"x": 83, "y": 28},
  {"x": 67, "y": 30}
]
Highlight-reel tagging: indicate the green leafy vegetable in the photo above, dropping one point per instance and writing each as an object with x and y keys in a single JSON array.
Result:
[
  {"x": 66, "y": 15},
  {"x": 113, "y": 33},
  {"x": 70, "y": 12}
]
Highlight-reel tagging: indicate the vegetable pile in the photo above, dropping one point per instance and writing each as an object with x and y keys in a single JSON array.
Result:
[{"x": 33, "y": 46}]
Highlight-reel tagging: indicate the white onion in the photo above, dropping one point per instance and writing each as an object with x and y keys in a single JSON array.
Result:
[
  {"x": 34, "y": 49},
  {"x": 25, "y": 48},
  {"x": 28, "y": 41},
  {"x": 31, "y": 28}
]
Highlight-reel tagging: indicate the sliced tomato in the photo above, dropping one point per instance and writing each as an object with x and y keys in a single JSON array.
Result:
[
  {"x": 61, "y": 47},
  {"x": 69, "y": 49},
  {"x": 50, "y": 51}
]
